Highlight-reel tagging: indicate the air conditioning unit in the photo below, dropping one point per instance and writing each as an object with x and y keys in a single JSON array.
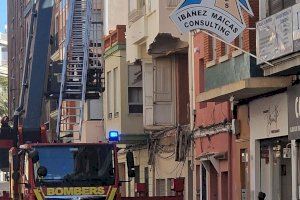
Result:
[{"x": 236, "y": 127}]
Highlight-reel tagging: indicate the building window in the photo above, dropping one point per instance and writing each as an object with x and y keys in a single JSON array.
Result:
[
  {"x": 276, "y": 6},
  {"x": 224, "y": 49},
  {"x": 240, "y": 39},
  {"x": 109, "y": 95},
  {"x": 160, "y": 187},
  {"x": 116, "y": 93},
  {"x": 56, "y": 24},
  {"x": 135, "y": 89},
  {"x": 212, "y": 47}
]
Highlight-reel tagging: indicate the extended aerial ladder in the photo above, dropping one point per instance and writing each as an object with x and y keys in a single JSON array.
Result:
[
  {"x": 74, "y": 73},
  {"x": 82, "y": 68}
]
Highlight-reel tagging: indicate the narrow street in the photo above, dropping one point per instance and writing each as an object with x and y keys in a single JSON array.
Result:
[{"x": 150, "y": 99}]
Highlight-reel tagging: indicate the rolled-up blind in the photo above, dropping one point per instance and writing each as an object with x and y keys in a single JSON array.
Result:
[
  {"x": 275, "y": 6},
  {"x": 288, "y": 3}
]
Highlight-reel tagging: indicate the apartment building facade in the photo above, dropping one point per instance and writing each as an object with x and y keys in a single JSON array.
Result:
[
  {"x": 19, "y": 13},
  {"x": 161, "y": 52},
  {"x": 151, "y": 97},
  {"x": 226, "y": 81},
  {"x": 275, "y": 150}
]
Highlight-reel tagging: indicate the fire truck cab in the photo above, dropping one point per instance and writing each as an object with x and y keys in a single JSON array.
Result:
[{"x": 64, "y": 171}]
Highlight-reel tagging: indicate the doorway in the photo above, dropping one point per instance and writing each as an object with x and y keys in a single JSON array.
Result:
[{"x": 275, "y": 169}]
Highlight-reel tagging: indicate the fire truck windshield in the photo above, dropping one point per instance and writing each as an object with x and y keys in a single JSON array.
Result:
[{"x": 75, "y": 165}]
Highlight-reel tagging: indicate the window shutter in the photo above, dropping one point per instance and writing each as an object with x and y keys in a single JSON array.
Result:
[
  {"x": 163, "y": 80},
  {"x": 148, "y": 93}
]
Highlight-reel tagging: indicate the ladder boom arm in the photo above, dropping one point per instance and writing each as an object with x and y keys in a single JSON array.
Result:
[{"x": 36, "y": 77}]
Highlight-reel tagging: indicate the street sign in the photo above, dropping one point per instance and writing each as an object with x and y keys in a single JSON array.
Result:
[
  {"x": 275, "y": 36},
  {"x": 223, "y": 18}
]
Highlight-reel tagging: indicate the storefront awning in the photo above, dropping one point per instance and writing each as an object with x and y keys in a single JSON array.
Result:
[{"x": 245, "y": 89}]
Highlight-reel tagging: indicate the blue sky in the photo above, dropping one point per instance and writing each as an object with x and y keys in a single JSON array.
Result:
[{"x": 3, "y": 14}]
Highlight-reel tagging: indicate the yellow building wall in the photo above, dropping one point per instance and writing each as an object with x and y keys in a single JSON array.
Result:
[{"x": 125, "y": 123}]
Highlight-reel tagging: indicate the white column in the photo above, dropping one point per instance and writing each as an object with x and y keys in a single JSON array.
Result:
[
  {"x": 254, "y": 168},
  {"x": 294, "y": 170},
  {"x": 191, "y": 77}
]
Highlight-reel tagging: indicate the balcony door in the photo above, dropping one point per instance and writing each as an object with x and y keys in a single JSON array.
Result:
[{"x": 163, "y": 92}]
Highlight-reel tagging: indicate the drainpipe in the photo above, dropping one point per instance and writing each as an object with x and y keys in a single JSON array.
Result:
[
  {"x": 232, "y": 103},
  {"x": 232, "y": 116},
  {"x": 229, "y": 165},
  {"x": 294, "y": 149}
]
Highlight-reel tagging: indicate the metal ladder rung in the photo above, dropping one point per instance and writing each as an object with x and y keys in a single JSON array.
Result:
[
  {"x": 72, "y": 115},
  {"x": 75, "y": 108},
  {"x": 69, "y": 123},
  {"x": 75, "y": 83},
  {"x": 72, "y": 99}
]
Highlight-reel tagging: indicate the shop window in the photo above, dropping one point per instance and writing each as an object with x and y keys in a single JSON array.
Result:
[{"x": 275, "y": 168}]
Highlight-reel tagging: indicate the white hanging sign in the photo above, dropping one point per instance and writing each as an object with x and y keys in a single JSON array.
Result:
[{"x": 221, "y": 17}]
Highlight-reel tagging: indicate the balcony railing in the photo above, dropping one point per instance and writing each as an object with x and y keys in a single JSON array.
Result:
[
  {"x": 136, "y": 14},
  {"x": 173, "y": 3}
]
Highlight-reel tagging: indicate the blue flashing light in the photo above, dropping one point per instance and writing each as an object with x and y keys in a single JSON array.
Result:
[{"x": 114, "y": 136}]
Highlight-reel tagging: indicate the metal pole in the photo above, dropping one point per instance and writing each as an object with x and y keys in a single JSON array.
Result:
[
  {"x": 236, "y": 47},
  {"x": 294, "y": 149}
]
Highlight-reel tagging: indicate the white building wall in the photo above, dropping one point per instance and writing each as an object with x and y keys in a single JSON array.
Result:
[
  {"x": 154, "y": 21},
  {"x": 115, "y": 13},
  {"x": 268, "y": 119}
]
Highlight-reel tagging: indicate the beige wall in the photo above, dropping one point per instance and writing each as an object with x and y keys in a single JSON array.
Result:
[
  {"x": 93, "y": 132},
  {"x": 146, "y": 28},
  {"x": 116, "y": 13},
  {"x": 125, "y": 123}
]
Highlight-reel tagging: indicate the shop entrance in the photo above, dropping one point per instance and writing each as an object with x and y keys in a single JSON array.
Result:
[{"x": 275, "y": 168}]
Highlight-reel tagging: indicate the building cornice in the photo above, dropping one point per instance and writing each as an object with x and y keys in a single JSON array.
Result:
[{"x": 117, "y": 47}]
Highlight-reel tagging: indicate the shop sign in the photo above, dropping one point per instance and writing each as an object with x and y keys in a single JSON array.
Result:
[
  {"x": 294, "y": 112},
  {"x": 278, "y": 35},
  {"x": 296, "y": 27},
  {"x": 221, "y": 17}
]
